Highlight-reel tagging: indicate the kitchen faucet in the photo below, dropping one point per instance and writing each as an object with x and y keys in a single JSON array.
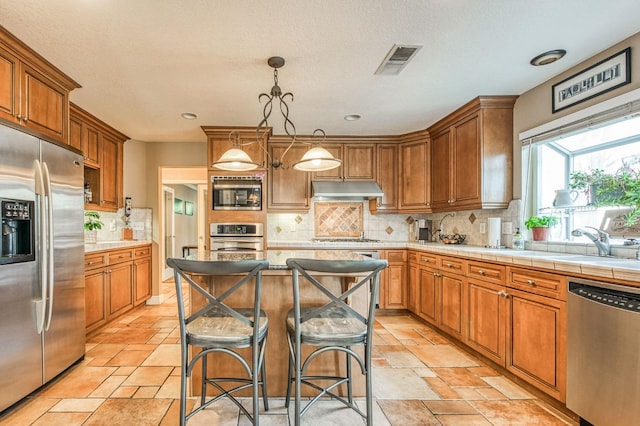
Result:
[{"x": 601, "y": 240}]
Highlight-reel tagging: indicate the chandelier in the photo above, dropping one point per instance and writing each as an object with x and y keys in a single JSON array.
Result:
[{"x": 314, "y": 160}]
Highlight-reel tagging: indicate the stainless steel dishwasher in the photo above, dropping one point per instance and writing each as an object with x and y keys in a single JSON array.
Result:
[{"x": 603, "y": 352}]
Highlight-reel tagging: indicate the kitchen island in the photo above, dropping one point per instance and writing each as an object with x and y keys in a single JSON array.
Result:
[{"x": 277, "y": 300}]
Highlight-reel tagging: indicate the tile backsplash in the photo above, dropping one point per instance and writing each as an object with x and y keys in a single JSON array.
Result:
[
  {"x": 338, "y": 219},
  {"x": 140, "y": 220}
]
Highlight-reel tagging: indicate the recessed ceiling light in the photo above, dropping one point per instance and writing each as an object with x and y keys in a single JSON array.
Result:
[
  {"x": 352, "y": 117},
  {"x": 189, "y": 115},
  {"x": 547, "y": 58}
]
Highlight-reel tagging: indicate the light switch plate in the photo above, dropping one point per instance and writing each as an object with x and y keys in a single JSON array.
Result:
[{"x": 483, "y": 228}]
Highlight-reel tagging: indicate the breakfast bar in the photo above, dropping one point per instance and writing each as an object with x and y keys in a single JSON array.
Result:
[{"x": 277, "y": 300}]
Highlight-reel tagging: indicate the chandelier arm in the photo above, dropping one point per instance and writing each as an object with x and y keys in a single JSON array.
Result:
[{"x": 289, "y": 127}]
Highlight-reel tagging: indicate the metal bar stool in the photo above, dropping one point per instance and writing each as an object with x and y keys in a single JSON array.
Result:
[
  {"x": 218, "y": 327},
  {"x": 334, "y": 326}
]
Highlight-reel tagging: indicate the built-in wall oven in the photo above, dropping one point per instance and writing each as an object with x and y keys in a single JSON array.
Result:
[
  {"x": 236, "y": 192},
  {"x": 236, "y": 236}
]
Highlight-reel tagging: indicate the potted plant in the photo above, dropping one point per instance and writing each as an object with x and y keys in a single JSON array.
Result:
[
  {"x": 91, "y": 226},
  {"x": 539, "y": 226},
  {"x": 606, "y": 189}
]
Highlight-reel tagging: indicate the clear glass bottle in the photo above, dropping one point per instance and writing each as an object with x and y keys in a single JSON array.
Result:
[
  {"x": 88, "y": 196},
  {"x": 518, "y": 240}
]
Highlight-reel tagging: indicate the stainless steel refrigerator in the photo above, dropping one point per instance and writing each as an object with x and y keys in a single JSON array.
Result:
[{"x": 42, "y": 318}]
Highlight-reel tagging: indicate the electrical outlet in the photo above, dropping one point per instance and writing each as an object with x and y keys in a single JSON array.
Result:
[
  {"x": 483, "y": 228},
  {"x": 112, "y": 225},
  {"x": 292, "y": 227},
  {"x": 507, "y": 228}
]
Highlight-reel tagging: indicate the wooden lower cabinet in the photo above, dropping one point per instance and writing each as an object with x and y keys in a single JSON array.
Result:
[
  {"x": 536, "y": 341},
  {"x": 428, "y": 295},
  {"x": 486, "y": 326},
  {"x": 452, "y": 315},
  {"x": 115, "y": 282},
  {"x": 393, "y": 288}
]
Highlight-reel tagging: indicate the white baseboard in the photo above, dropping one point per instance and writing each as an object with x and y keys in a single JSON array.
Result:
[{"x": 155, "y": 300}]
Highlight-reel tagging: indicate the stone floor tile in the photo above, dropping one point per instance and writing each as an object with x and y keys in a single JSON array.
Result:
[
  {"x": 511, "y": 413},
  {"x": 402, "y": 359},
  {"x": 407, "y": 412},
  {"x": 107, "y": 350},
  {"x": 483, "y": 371},
  {"x": 61, "y": 419},
  {"x": 107, "y": 387},
  {"x": 28, "y": 412},
  {"x": 463, "y": 420},
  {"x": 508, "y": 388},
  {"x": 77, "y": 404},
  {"x": 470, "y": 394},
  {"x": 139, "y": 412},
  {"x": 424, "y": 372},
  {"x": 441, "y": 388},
  {"x": 129, "y": 358},
  {"x": 458, "y": 377},
  {"x": 491, "y": 393},
  {"x": 78, "y": 383},
  {"x": 442, "y": 356},
  {"x": 164, "y": 355},
  {"x": 450, "y": 407},
  {"x": 148, "y": 376},
  {"x": 400, "y": 383},
  {"x": 148, "y": 392},
  {"x": 170, "y": 388}
]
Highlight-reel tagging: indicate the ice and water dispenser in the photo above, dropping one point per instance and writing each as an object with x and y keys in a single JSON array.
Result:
[{"x": 17, "y": 231}]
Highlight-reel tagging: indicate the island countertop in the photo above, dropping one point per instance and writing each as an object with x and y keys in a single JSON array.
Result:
[{"x": 277, "y": 258}]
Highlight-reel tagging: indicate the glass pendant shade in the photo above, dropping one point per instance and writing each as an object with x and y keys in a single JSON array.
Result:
[
  {"x": 316, "y": 160},
  {"x": 235, "y": 159}
]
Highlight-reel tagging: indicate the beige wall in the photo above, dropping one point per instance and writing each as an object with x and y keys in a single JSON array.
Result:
[
  {"x": 533, "y": 108},
  {"x": 141, "y": 164}
]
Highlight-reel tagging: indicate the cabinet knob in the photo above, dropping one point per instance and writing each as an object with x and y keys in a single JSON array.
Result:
[
  {"x": 26, "y": 118},
  {"x": 19, "y": 116},
  {"x": 448, "y": 265},
  {"x": 531, "y": 282},
  {"x": 89, "y": 263},
  {"x": 481, "y": 272}
]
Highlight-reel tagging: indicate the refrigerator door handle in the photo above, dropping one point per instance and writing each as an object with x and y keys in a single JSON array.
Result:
[
  {"x": 49, "y": 217},
  {"x": 41, "y": 306}
]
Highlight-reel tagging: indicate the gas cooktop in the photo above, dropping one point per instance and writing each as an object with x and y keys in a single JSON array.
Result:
[{"x": 344, "y": 240}]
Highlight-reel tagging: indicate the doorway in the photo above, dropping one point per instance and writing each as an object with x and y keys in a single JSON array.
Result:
[{"x": 169, "y": 229}]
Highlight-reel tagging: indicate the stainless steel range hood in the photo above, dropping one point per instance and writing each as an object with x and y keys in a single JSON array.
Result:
[{"x": 351, "y": 190}]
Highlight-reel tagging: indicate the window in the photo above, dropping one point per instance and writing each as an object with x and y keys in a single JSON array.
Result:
[{"x": 611, "y": 145}]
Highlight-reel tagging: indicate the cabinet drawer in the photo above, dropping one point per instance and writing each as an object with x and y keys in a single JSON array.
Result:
[
  {"x": 486, "y": 272},
  {"x": 428, "y": 259},
  {"x": 94, "y": 260},
  {"x": 139, "y": 252},
  {"x": 541, "y": 283},
  {"x": 397, "y": 256},
  {"x": 452, "y": 264},
  {"x": 120, "y": 256}
]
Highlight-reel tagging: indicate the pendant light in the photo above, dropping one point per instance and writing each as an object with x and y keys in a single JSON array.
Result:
[{"x": 316, "y": 159}]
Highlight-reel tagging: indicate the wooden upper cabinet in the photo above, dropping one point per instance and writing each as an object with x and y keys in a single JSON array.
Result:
[
  {"x": 33, "y": 93},
  {"x": 288, "y": 189},
  {"x": 387, "y": 178},
  {"x": 102, "y": 147},
  {"x": 221, "y": 138},
  {"x": 415, "y": 177},
  {"x": 358, "y": 162},
  {"x": 472, "y": 156}
]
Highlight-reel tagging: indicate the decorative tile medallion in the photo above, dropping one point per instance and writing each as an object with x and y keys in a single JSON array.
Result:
[
  {"x": 298, "y": 219},
  {"x": 389, "y": 230},
  {"x": 278, "y": 230},
  {"x": 338, "y": 219},
  {"x": 472, "y": 218}
]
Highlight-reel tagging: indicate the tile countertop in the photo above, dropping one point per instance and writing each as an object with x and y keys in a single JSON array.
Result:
[
  {"x": 110, "y": 245},
  {"x": 566, "y": 263}
]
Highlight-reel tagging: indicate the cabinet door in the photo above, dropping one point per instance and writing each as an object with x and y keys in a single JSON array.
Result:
[
  {"x": 95, "y": 306},
  {"x": 333, "y": 174},
  {"x": 415, "y": 191},
  {"x": 110, "y": 163},
  {"x": 141, "y": 280},
  {"x": 9, "y": 85},
  {"x": 536, "y": 341},
  {"x": 428, "y": 295},
  {"x": 359, "y": 162},
  {"x": 412, "y": 288},
  {"x": 387, "y": 178},
  {"x": 75, "y": 133},
  {"x": 467, "y": 155},
  {"x": 441, "y": 163},
  {"x": 287, "y": 189},
  {"x": 395, "y": 288},
  {"x": 44, "y": 104},
  {"x": 91, "y": 145},
  {"x": 120, "y": 288},
  {"x": 452, "y": 313},
  {"x": 487, "y": 319}
]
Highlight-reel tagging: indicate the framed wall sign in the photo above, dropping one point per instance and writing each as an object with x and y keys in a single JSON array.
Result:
[
  {"x": 188, "y": 208},
  {"x": 178, "y": 206},
  {"x": 606, "y": 75}
]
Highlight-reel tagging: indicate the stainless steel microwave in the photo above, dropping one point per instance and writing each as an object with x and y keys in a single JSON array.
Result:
[{"x": 237, "y": 192}]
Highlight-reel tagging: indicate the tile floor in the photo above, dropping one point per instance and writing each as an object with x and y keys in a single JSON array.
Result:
[{"x": 130, "y": 377}]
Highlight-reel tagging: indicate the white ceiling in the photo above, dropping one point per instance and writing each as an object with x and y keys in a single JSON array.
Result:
[{"x": 143, "y": 62}]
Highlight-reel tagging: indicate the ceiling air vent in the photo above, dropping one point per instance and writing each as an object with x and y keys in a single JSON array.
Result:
[{"x": 398, "y": 57}]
